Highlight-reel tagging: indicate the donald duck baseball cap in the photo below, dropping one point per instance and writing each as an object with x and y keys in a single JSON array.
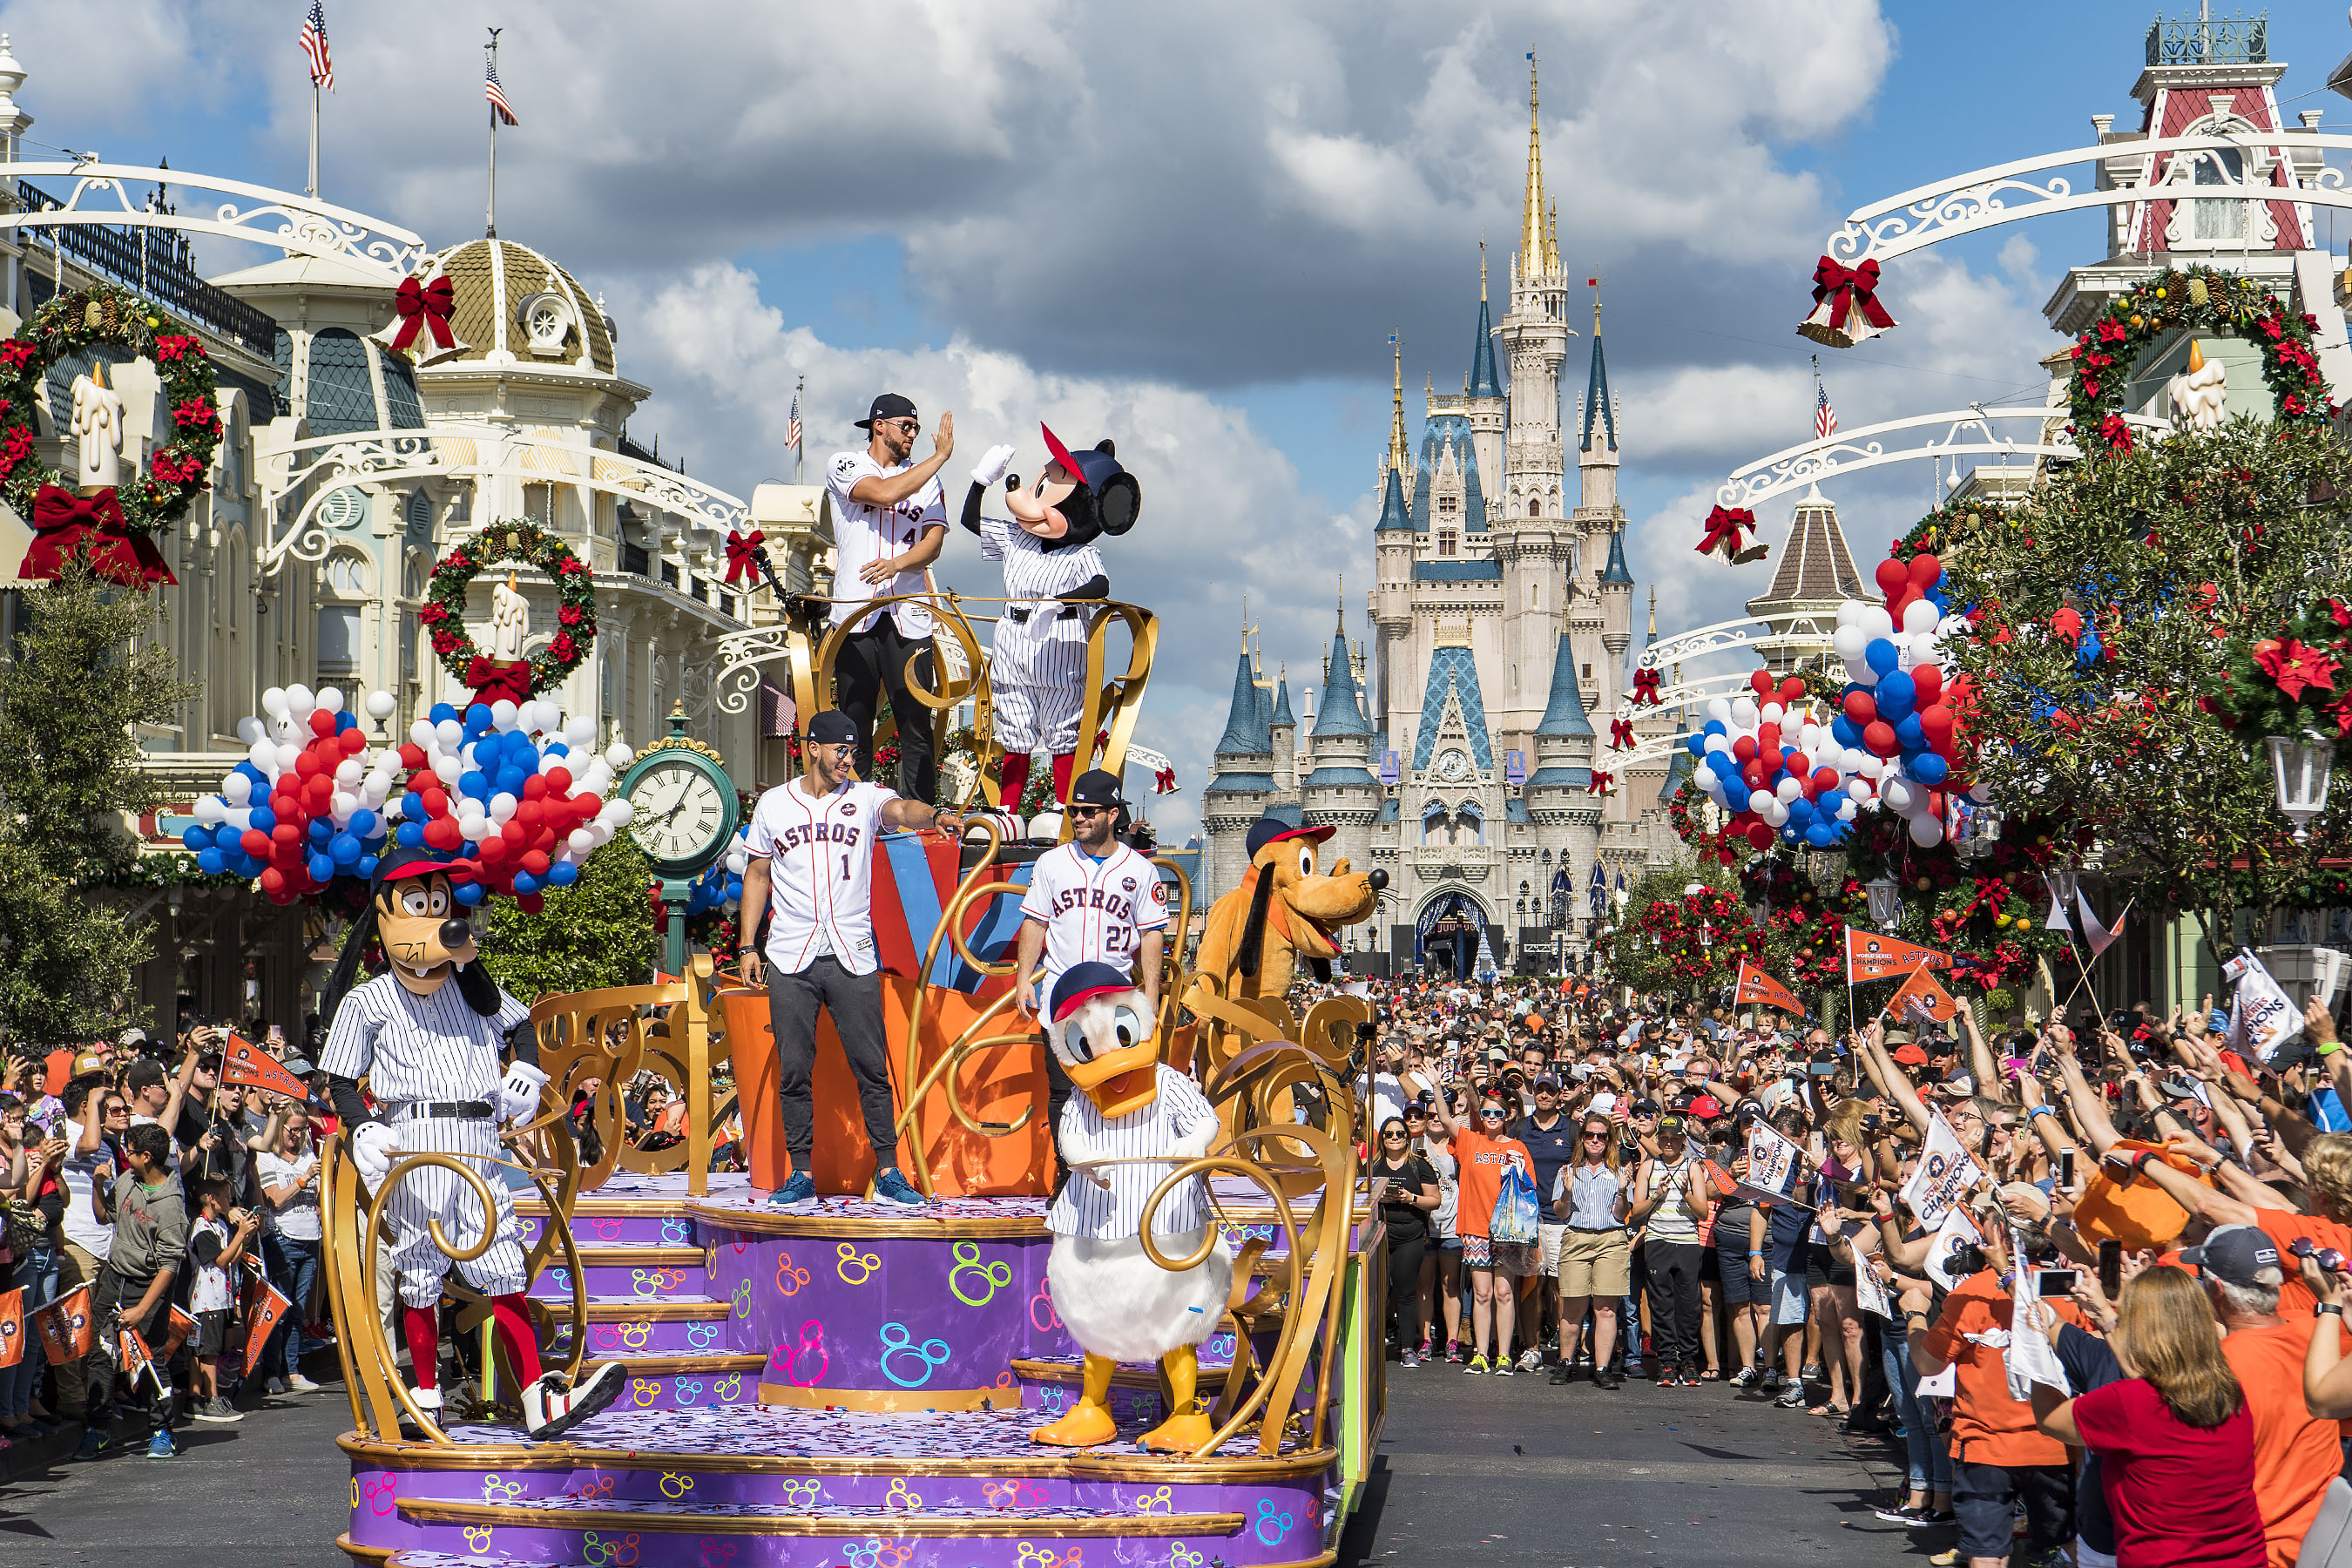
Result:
[{"x": 1081, "y": 981}]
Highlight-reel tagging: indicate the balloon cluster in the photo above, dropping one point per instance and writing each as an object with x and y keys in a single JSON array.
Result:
[
  {"x": 720, "y": 885},
  {"x": 306, "y": 806},
  {"x": 513, "y": 786},
  {"x": 1776, "y": 770},
  {"x": 1898, "y": 707}
]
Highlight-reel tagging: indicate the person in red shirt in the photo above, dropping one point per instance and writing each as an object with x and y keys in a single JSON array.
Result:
[
  {"x": 1999, "y": 1459},
  {"x": 2175, "y": 1439},
  {"x": 1496, "y": 1267}
]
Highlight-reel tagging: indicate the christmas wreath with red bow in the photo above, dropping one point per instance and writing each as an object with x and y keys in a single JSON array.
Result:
[
  {"x": 2193, "y": 300},
  {"x": 443, "y": 612},
  {"x": 117, "y": 526}
]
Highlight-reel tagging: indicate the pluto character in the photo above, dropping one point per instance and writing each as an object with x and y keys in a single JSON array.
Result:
[
  {"x": 1284, "y": 911},
  {"x": 428, "y": 1036}
]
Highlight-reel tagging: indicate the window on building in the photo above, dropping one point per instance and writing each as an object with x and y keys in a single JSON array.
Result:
[
  {"x": 1588, "y": 672},
  {"x": 2220, "y": 220},
  {"x": 669, "y": 574},
  {"x": 539, "y": 504},
  {"x": 339, "y": 396},
  {"x": 635, "y": 560},
  {"x": 1535, "y": 596},
  {"x": 1449, "y": 506},
  {"x": 347, "y": 575},
  {"x": 1534, "y": 506},
  {"x": 339, "y": 639},
  {"x": 1449, "y": 543},
  {"x": 401, "y": 409},
  {"x": 408, "y": 678}
]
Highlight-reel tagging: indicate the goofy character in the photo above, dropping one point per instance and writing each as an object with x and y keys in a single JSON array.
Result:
[
  {"x": 428, "y": 1036},
  {"x": 1037, "y": 659}
]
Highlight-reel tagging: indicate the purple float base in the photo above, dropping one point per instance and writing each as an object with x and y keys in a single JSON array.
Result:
[{"x": 663, "y": 1490}]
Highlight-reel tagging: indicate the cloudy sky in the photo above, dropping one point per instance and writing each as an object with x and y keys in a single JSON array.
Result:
[{"x": 1188, "y": 227}]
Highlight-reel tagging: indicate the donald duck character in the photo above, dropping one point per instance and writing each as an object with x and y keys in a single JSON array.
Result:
[{"x": 1133, "y": 1121}]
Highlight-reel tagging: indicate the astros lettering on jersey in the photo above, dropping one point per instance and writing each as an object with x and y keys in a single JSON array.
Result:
[
  {"x": 864, "y": 533},
  {"x": 1094, "y": 911},
  {"x": 821, "y": 867}
]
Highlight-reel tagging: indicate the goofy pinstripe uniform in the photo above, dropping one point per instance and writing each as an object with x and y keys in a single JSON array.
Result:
[{"x": 1037, "y": 659}]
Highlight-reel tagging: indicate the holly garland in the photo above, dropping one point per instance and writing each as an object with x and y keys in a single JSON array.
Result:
[
  {"x": 1717, "y": 844},
  {"x": 519, "y": 540},
  {"x": 187, "y": 417},
  {"x": 1702, "y": 933},
  {"x": 2286, "y": 681},
  {"x": 2192, "y": 300}
]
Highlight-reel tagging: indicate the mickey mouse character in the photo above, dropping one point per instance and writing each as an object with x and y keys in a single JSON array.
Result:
[
  {"x": 427, "y": 1037},
  {"x": 1037, "y": 659}
]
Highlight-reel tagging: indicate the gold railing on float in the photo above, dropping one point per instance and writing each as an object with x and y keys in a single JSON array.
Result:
[
  {"x": 609, "y": 1036},
  {"x": 974, "y": 889},
  {"x": 356, "y": 1238}
]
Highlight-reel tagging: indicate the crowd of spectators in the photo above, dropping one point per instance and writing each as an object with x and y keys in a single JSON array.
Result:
[{"x": 1739, "y": 1201}]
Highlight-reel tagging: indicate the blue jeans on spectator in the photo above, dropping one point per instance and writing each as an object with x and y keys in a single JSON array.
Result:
[
  {"x": 1931, "y": 1451},
  {"x": 37, "y": 1277},
  {"x": 293, "y": 1268}
]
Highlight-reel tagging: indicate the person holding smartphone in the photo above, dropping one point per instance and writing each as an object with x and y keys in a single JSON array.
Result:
[{"x": 1405, "y": 1190}]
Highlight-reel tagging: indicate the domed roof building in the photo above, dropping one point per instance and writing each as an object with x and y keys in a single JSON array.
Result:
[{"x": 511, "y": 305}]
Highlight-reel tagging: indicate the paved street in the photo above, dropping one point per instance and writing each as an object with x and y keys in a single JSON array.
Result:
[{"x": 1508, "y": 1471}]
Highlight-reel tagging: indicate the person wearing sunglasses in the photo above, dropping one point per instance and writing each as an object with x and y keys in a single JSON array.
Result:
[
  {"x": 1596, "y": 1257},
  {"x": 1486, "y": 1151},
  {"x": 1406, "y": 1189},
  {"x": 890, "y": 523},
  {"x": 1441, "y": 1266}
]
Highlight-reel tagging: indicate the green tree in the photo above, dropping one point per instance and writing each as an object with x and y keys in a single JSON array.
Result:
[
  {"x": 72, "y": 693},
  {"x": 597, "y": 933}
]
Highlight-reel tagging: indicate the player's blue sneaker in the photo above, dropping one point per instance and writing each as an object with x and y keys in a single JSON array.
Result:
[
  {"x": 798, "y": 1188},
  {"x": 891, "y": 1186}
]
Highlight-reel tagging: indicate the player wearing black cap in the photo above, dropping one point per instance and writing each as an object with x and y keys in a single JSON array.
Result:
[
  {"x": 813, "y": 850},
  {"x": 890, "y": 522}
]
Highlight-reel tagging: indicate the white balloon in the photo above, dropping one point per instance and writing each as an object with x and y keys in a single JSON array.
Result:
[
  {"x": 330, "y": 699},
  {"x": 1920, "y": 615},
  {"x": 550, "y": 761},
  {"x": 273, "y": 701},
  {"x": 288, "y": 754},
  {"x": 502, "y": 807},
  {"x": 1858, "y": 789},
  {"x": 1776, "y": 814},
  {"x": 1859, "y": 673},
  {"x": 1895, "y": 793},
  {"x": 1848, "y": 809},
  {"x": 581, "y": 841},
  {"x": 592, "y": 779},
  {"x": 241, "y": 818},
  {"x": 448, "y": 736},
  {"x": 1789, "y": 790},
  {"x": 288, "y": 728},
  {"x": 1927, "y": 832},
  {"x": 1758, "y": 799},
  {"x": 1743, "y": 713},
  {"x": 619, "y": 813},
  {"x": 1771, "y": 713},
  {"x": 502, "y": 714},
  {"x": 264, "y": 755},
  {"x": 380, "y": 705},
  {"x": 1980, "y": 792},
  {"x": 620, "y": 755},
  {"x": 1876, "y": 622},
  {"x": 422, "y": 733},
  {"x": 1716, "y": 743},
  {"x": 209, "y": 808},
  {"x": 238, "y": 788},
  {"x": 249, "y": 730},
  {"x": 1849, "y": 642},
  {"x": 1849, "y": 611},
  {"x": 1719, "y": 710},
  {"x": 300, "y": 701},
  {"x": 341, "y": 805},
  {"x": 347, "y": 773}
]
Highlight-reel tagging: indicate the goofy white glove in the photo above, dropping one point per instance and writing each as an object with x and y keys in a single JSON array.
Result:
[
  {"x": 374, "y": 1146},
  {"x": 993, "y": 466},
  {"x": 519, "y": 1094}
]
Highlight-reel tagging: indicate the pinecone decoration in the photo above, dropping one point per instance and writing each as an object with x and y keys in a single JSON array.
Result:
[{"x": 2198, "y": 294}]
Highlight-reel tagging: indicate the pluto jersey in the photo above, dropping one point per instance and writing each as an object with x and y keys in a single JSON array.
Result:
[
  {"x": 1095, "y": 911},
  {"x": 820, "y": 855}
]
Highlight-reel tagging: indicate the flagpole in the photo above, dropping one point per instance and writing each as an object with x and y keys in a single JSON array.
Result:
[
  {"x": 2082, "y": 971},
  {"x": 313, "y": 189},
  {"x": 490, "y": 214},
  {"x": 799, "y": 403}
]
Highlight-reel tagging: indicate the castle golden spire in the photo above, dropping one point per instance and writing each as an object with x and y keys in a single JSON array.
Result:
[
  {"x": 1400, "y": 453},
  {"x": 1538, "y": 251}
]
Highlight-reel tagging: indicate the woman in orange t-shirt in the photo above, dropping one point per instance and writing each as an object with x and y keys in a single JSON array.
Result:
[{"x": 1495, "y": 1266}]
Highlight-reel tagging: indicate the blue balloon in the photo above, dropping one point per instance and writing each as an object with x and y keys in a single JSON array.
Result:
[
  {"x": 321, "y": 830},
  {"x": 1694, "y": 744},
  {"x": 260, "y": 779},
  {"x": 1909, "y": 733},
  {"x": 475, "y": 784},
  {"x": 467, "y": 892},
  {"x": 525, "y": 883},
  {"x": 346, "y": 720},
  {"x": 442, "y": 712},
  {"x": 557, "y": 749},
  {"x": 263, "y": 819},
  {"x": 322, "y": 869},
  {"x": 563, "y": 874},
  {"x": 1714, "y": 727},
  {"x": 1928, "y": 768},
  {"x": 197, "y": 836},
  {"x": 1788, "y": 834},
  {"x": 1896, "y": 690},
  {"x": 411, "y": 835},
  {"x": 1842, "y": 730},
  {"x": 1801, "y": 811},
  {"x": 734, "y": 890},
  {"x": 211, "y": 862},
  {"x": 344, "y": 849},
  {"x": 412, "y": 806},
  {"x": 366, "y": 868},
  {"x": 1880, "y": 656},
  {"x": 511, "y": 782},
  {"x": 1820, "y": 836},
  {"x": 364, "y": 824},
  {"x": 477, "y": 717}
]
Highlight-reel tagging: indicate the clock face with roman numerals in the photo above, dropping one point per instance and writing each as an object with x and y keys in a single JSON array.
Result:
[{"x": 682, "y": 818}]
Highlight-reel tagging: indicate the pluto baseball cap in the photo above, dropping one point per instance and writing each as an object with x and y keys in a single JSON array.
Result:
[{"x": 889, "y": 406}]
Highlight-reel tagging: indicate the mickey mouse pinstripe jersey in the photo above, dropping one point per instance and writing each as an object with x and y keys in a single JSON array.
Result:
[
  {"x": 1094, "y": 911},
  {"x": 1037, "y": 659}
]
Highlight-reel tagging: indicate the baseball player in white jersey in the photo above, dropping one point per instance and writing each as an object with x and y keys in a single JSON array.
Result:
[
  {"x": 427, "y": 1039},
  {"x": 812, "y": 874},
  {"x": 891, "y": 520},
  {"x": 1092, "y": 900},
  {"x": 1037, "y": 659}
]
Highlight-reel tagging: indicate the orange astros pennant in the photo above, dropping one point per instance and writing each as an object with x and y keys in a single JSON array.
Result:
[
  {"x": 1922, "y": 995},
  {"x": 1755, "y": 985},
  {"x": 248, "y": 1064},
  {"x": 1870, "y": 956}
]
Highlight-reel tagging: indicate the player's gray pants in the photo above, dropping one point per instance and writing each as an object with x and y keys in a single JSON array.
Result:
[
  {"x": 430, "y": 1192},
  {"x": 856, "y": 1003}
]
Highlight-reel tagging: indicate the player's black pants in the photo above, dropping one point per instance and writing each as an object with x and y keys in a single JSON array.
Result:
[
  {"x": 856, "y": 1003},
  {"x": 868, "y": 663},
  {"x": 1057, "y": 1095}
]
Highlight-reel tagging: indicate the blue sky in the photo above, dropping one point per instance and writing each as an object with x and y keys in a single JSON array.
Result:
[{"x": 1190, "y": 228}]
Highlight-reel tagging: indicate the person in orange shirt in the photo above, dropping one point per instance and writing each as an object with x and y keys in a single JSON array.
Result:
[
  {"x": 1999, "y": 1458},
  {"x": 2296, "y": 1454},
  {"x": 1496, "y": 1267},
  {"x": 2328, "y": 1168}
]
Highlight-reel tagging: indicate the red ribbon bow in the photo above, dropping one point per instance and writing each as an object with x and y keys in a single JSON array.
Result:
[
  {"x": 1621, "y": 735},
  {"x": 1724, "y": 527},
  {"x": 492, "y": 679},
  {"x": 1600, "y": 783},
  {"x": 66, "y": 524},
  {"x": 1164, "y": 781},
  {"x": 425, "y": 307},
  {"x": 743, "y": 552},
  {"x": 1848, "y": 290},
  {"x": 1646, "y": 688}
]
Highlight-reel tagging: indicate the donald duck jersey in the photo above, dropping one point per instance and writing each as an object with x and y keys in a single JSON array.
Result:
[{"x": 1177, "y": 1123}]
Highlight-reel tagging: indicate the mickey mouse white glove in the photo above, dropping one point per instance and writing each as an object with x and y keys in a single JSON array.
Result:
[
  {"x": 993, "y": 465},
  {"x": 372, "y": 1148},
  {"x": 519, "y": 1094}
]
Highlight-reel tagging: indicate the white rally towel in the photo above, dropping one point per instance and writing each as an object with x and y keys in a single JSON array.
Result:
[
  {"x": 1945, "y": 1176},
  {"x": 2261, "y": 1017},
  {"x": 2029, "y": 1358},
  {"x": 1773, "y": 1169},
  {"x": 1956, "y": 1230}
]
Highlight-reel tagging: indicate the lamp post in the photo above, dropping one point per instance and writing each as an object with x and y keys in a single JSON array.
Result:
[
  {"x": 2300, "y": 770},
  {"x": 1886, "y": 901}
]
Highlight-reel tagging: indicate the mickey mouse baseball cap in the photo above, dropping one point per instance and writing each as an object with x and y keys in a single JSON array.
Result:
[{"x": 889, "y": 406}]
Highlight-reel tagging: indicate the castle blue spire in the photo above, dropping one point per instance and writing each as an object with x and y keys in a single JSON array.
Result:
[
  {"x": 1564, "y": 716},
  {"x": 1246, "y": 724},
  {"x": 1616, "y": 571},
  {"x": 1343, "y": 712},
  {"x": 1393, "y": 510},
  {"x": 1596, "y": 409},
  {"x": 1282, "y": 714},
  {"x": 1483, "y": 380}
]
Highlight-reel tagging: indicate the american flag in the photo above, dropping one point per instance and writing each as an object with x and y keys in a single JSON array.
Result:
[
  {"x": 1824, "y": 416},
  {"x": 314, "y": 44},
  {"x": 793, "y": 425},
  {"x": 496, "y": 94}
]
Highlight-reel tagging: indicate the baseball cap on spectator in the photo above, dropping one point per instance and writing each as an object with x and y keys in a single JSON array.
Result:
[
  {"x": 1603, "y": 1103},
  {"x": 1646, "y": 1107},
  {"x": 134, "y": 1035},
  {"x": 2234, "y": 1253},
  {"x": 1910, "y": 1056},
  {"x": 1956, "y": 1086},
  {"x": 1546, "y": 1080},
  {"x": 144, "y": 1073},
  {"x": 1703, "y": 1108}
]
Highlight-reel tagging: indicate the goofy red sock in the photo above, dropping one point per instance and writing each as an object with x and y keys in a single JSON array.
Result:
[{"x": 1012, "y": 777}]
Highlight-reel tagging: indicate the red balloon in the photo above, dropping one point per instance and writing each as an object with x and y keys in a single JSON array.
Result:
[
  {"x": 306, "y": 764},
  {"x": 273, "y": 880},
  {"x": 534, "y": 787},
  {"x": 318, "y": 794},
  {"x": 1767, "y": 742},
  {"x": 351, "y": 742},
  {"x": 437, "y": 801},
  {"x": 1898, "y": 602},
  {"x": 1927, "y": 684},
  {"x": 254, "y": 842},
  {"x": 543, "y": 839},
  {"x": 321, "y": 721},
  {"x": 1760, "y": 834},
  {"x": 1760, "y": 681},
  {"x": 442, "y": 833},
  {"x": 285, "y": 833},
  {"x": 1793, "y": 690},
  {"x": 1753, "y": 776},
  {"x": 412, "y": 755},
  {"x": 1825, "y": 780},
  {"x": 493, "y": 848},
  {"x": 559, "y": 780},
  {"x": 535, "y": 863},
  {"x": 530, "y": 812},
  {"x": 587, "y": 805},
  {"x": 1936, "y": 722},
  {"x": 1925, "y": 571},
  {"x": 1892, "y": 576},
  {"x": 1743, "y": 749},
  {"x": 531, "y": 903},
  {"x": 1879, "y": 738},
  {"x": 515, "y": 833},
  {"x": 1861, "y": 708}
]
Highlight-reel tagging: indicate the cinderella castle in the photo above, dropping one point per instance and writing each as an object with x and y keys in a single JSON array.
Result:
[{"x": 1467, "y": 752}]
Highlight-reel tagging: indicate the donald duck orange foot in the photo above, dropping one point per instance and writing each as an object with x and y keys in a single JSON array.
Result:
[
  {"x": 1189, "y": 1428},
  {"x": 1090, "y": 1422}
]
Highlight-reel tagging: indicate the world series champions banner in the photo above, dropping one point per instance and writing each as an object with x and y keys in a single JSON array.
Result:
[
  {"x": 1946, "y": 1176},
  {"x": 1775, "y": 1167}
]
